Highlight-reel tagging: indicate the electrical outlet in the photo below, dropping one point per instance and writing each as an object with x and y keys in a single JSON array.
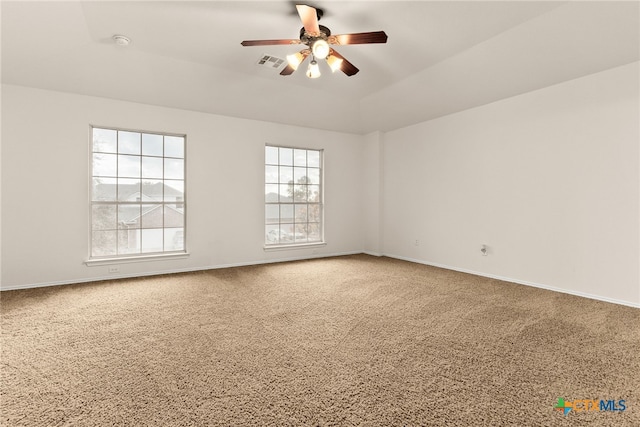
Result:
[
  {"x": 114, "y": 269},
  {"x": 417, "y": 243}
]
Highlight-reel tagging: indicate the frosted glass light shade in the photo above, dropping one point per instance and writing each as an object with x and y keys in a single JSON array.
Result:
[
  {"x": 320, "y": 49},
  {"x": 334, "y": 62},
  {"x": 295, "y": 59},
  {"x": 313, "y": 71}
]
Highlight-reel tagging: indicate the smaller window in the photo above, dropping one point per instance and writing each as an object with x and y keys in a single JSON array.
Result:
[{"x": 293, "y": 196}]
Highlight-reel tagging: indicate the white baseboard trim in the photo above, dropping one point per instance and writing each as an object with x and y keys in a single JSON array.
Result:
[
  {"x": 519, "y": 282},
  {"x": 307, "y": 257},
  {"x": 372, "y": 253},
  {"x": 172, "y": 271}
]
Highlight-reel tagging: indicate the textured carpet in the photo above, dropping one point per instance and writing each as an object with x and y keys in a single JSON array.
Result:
[{"x": 354, "y": 340}]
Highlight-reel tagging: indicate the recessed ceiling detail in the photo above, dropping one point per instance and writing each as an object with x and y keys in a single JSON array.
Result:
[{"x": 442, "y": 56}]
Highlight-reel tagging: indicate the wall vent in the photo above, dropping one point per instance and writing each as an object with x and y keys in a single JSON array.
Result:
[{"x": 270, "y": 61}]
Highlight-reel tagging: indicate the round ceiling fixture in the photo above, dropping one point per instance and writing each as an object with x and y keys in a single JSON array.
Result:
[{"x": 121, "y": 40}]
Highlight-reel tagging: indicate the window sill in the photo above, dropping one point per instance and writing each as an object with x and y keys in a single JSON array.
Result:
[
  {"x": 134, "y": 259},
  {"x": 294, "y": 246}
]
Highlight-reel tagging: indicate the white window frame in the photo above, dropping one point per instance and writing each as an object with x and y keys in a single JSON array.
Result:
[
  {"x": 285, "y": 233},
  {"x": 179, "y": 205}
]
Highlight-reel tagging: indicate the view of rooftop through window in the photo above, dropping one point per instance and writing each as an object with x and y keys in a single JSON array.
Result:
[
  {"x": 293, "y": 196},
  {"x": 137, "y": 193}
]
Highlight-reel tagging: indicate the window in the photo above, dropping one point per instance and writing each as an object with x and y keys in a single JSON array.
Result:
[
  {"x": 137, "y": 193},
  {"x": 293, "y": 196}
]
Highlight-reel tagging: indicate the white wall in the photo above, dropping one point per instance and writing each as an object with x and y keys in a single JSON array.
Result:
[
  {"x": 549, "y": 180},
  {"x": 45, "y": 185},
  {"x": 372, "y": 192}
]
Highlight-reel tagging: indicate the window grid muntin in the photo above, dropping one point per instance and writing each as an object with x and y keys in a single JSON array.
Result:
[
  {"x": 162, "y": 204},
  {"x": 316, "y": 206}
]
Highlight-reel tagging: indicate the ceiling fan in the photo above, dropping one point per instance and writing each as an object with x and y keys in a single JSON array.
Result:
[{"x": 317, "y": 39}]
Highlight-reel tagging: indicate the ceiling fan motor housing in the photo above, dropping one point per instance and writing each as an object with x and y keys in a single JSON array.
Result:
[{"x": 308, "y": 38}]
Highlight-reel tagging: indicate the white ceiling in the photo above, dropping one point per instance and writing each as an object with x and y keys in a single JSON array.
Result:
[{"x": 441, "y": 56}]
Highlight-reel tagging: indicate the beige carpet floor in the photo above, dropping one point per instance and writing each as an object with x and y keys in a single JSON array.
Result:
[{"x": 344, "y": 341}]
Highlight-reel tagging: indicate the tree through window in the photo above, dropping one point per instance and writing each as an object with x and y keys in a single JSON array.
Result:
[{"x": 293, "y": 196}]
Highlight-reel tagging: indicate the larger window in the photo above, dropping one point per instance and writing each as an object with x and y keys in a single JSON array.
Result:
[
  {"x": 137, "y": 193},
  {"x": 293, "y": 196}
]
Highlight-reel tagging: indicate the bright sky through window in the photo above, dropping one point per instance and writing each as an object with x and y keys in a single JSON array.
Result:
[
  {"x": 138, "y": 202},
  {"x": 293, "y": 196}
]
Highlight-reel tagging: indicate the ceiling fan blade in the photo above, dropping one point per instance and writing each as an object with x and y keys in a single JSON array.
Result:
[
  {"x": 269, "y": 42},
  {"x": 309, "y": 18},
  {"x": 288, "y": 70},
  {"x": 359, "y": 38},
  {"x": 347, "y": 67}
]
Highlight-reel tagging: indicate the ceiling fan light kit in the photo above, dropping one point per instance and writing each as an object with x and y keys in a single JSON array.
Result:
[
  {"x": 295, "y": 59},
  {"x": 334, "y": 62},
  {"x": 317, "y": 39},
  {"x": 313, "y": 72},
  {"x": 320, "y": 49}
]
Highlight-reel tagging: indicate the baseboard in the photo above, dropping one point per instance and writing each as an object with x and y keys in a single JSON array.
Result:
[
  {"x": 306, "y": 257},
  {"x": 372, "y": 253},
  {"x": 519, "y": 282},
  {"x": 172, "y": 271}
]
